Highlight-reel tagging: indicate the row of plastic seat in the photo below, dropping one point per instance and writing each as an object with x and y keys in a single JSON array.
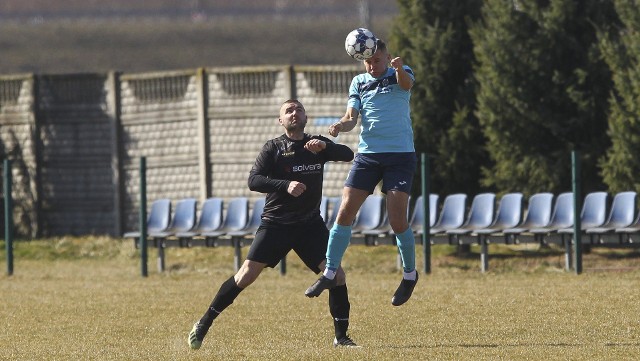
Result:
[
  {"x": 507, "y": 222},
  {"x": 215, "y": 223},
  {"x": 544, "y": 220},
  {"x": 452, "y": 223},
  {"x": 184, "y": 226},
  {"x": 541, "y": 222},
  {"x": 185, "y": 229},
  {"x": 453, "y": 220}
]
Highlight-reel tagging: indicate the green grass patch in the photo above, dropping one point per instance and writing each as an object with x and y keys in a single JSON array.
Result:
[
  {"x": 70, "y": 248},
  {"x": 84, "y": 298}
]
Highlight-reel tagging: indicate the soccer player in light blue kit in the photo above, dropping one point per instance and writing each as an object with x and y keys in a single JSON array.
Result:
[{"x": 385, "y": 153}]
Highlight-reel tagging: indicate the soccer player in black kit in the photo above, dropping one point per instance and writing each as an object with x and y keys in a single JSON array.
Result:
[{"x": 290, "y": 170}]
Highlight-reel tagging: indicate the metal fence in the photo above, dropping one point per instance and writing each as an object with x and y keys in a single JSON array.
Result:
[{"x": 75, "y": 139}]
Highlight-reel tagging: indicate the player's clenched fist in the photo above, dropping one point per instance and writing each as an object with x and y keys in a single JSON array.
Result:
[{"x": 296, "y": 188}]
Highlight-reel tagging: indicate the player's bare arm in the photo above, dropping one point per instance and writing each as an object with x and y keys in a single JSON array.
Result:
[
  {"x": 404, "y": 80},
  {"x": 346, "y": 123}
]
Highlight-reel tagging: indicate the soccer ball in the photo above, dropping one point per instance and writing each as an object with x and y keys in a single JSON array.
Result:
[{"x": 360, "y": 44}]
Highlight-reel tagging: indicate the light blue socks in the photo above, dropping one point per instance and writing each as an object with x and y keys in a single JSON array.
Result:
[
  {"x": 407, "y": 247},
  {"x": 339, "y": 238}
]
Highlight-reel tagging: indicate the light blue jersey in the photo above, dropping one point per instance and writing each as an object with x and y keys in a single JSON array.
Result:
[{"x": 384, "y": 112}]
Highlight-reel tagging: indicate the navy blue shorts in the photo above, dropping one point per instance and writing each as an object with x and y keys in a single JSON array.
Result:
[
  {"x": 395, "y": 170},
  {"x": 273, "y": 241}
]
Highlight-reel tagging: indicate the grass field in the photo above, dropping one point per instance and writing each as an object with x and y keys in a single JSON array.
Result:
[{"x": 84, "y": 299}]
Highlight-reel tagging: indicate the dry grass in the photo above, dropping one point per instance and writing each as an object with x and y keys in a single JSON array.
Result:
[{"x": 84, "y": 299}]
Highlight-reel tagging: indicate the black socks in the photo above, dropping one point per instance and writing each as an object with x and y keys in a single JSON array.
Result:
[
  {"x": 226, "y": 295},
  {"x": 339, "y": 307}
]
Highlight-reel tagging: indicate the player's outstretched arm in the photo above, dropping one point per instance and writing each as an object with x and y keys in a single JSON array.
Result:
[
  {"x": 404, "y": 79},
  {"x": 333, "y": 151},
  {"x": 346, "y": 123}
]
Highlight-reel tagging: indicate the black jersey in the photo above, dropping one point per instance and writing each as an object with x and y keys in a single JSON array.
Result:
[{"x": 283, "y": 160}]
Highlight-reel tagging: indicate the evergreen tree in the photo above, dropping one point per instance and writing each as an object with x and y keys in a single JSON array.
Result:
[
  {"x": 432, "y": 37},
  {"x": 542, "y": 86},
  {"x": 621, "y": 47}
]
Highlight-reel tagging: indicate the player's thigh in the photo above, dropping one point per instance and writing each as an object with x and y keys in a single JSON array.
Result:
[
  {"x": 399, "y": 169},
  {"x": 365, "y": 173},
  {"x": 270, "y": 245},
  {"x": 352, "y": 200},
  {"x": 311, "y": 244}
]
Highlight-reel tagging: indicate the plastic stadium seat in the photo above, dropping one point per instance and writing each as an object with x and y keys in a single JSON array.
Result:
[
  {"x": 630, "y": 233},
  {"x": 561, "y": 218},
  {"x": 538, "y": 214},
  {"x": 235, "y": 218},
  {"x": 370, "y": 214},
  {"x": 508, "y": 215},
  {"x": 452, "y": 214},
  {"x": 480, "y": 214},
  {"x": 158, "y": 220},
  {"x": 622, "y": 214},
  {"x": 594, "y": 212},
  {"x": 433, "y": 209},
  {"x": 210, "y": 220},
  {"x": 184, "y": 219},
  {"x": 237, "y": 235},
  {"x": 417, "y": 216},
  {"x": 254, "y": 222}
]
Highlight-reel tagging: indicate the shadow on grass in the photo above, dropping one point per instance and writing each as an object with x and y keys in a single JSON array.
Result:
[
  {"x": 535, "y": 257},
  {"x": 511, "y": 345},
  {"x": 620, "y": 255},
  {"x": 505, "y": 253}
]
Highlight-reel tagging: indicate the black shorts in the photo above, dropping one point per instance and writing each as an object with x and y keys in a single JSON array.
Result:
[{"x": 273, "y": 242}]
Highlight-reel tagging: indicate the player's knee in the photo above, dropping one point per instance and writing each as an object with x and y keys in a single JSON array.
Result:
[
  {"x": 246, "y": 275},
  {"x": 346, "y": 217},
  {"x": 399, "y": 224}
]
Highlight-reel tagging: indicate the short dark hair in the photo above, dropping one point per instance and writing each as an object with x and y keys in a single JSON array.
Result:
[
  {"x": 296, "y": 101},
  {"x": 381, "y": 45},
  {"x": 292, "y": 101}
]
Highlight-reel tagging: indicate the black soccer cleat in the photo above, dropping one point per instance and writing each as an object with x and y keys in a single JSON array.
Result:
[
  {"x": 345, "y": 341},
  {"x": 323, "y": 283},
  {"x": 197, "y": 335},
  {"x": 404, "y": 291}
]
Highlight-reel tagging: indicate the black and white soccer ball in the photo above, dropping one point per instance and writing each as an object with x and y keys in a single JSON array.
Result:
[{"x": 360, "y": 44}]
